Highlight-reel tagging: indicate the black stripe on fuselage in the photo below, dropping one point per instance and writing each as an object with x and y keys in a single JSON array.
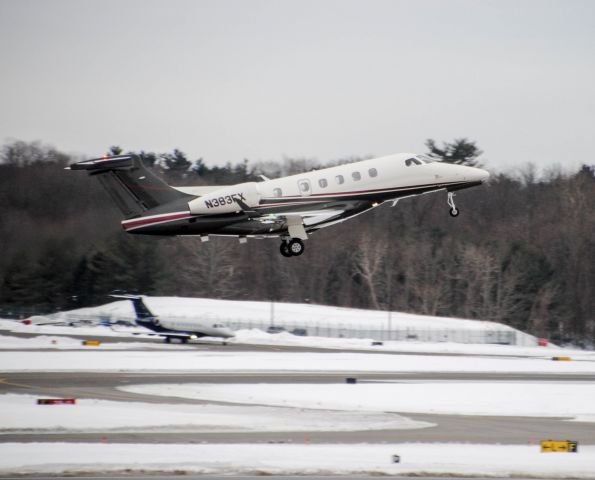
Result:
[
  {"x": 273, "y": 204},
  {"x": 379, "y": 194}
]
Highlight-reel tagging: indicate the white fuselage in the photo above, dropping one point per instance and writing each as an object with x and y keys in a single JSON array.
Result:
[
  {"x": 196, "y": 326},
  {"x": 368, "y": 176},
  {"x": 297, "y": 205}
]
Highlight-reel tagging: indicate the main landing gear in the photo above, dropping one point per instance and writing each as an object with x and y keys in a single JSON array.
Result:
[
  {"x": 292, "y": 248},
  {"x": 454, "y": 211}
]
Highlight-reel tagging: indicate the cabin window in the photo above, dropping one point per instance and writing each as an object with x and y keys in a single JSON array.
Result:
[
  {"x": 277, "y": 192},
  {"x": 356, "y": 176},
  {"x": 304, "y": 186},
  {"x": 323, "y": 183},
  {"x": 373, "y": 172},
  {"x": 340, "y": 179},
  {"x": 412, "y": 161}
]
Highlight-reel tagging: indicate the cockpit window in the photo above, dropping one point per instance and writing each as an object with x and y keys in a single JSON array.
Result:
[
  {"x": 426, "y": 159},
  {"x": 413, "y": 161},
  {"x": 218, "y": 325}
]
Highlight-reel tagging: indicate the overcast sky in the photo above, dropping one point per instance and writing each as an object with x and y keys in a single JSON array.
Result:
[{"x": 262, "y": 79}]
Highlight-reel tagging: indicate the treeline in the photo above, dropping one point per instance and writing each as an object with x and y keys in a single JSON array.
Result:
[{"x": 521, "y": 252}]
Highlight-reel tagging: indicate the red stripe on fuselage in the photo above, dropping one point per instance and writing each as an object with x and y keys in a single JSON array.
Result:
[{"x": 154, "y": 220}]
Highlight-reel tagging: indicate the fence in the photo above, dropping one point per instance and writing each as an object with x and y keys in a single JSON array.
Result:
[{"x": 502, "y": 337}]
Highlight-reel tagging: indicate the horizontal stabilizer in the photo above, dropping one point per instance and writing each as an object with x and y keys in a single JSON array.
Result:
[
  {"x": 116, "y": 162},
  {"x": 124, "y": 295}
]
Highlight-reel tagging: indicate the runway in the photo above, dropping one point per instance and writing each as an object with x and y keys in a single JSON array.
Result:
[
  {"x": 493, "y": 432},
  {"x": 449, "y": 428}
]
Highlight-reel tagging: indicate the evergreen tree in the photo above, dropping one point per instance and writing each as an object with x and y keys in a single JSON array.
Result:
[{"x": 461, "y": 152}]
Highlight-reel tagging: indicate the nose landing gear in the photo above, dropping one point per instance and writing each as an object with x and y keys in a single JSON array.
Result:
[
  {"x": 454, "y": 211},
  {"x": 292, "y": 248}
]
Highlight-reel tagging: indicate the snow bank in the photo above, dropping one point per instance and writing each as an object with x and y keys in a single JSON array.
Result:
[
  {"x": 21, "y": 413},
  {"x": 358, "y": 459},
  {"x": 63, "y": 342},
  {"x": 318, "y": 320},
  {"x": 104, "y": 331},
  {"x": 284, "y": 313},
  {"x": 553, "y": 399}
]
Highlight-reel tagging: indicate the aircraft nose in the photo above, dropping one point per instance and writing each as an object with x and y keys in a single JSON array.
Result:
[
  {"x": 483, "y": 175},
  {"x": 471, "y": 174}
]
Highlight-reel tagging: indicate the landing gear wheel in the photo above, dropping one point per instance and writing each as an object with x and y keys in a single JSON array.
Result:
[
  {"x": 292, "y": 248},
  {"x": 296, "y": 247},
  {"x": 285, "y": 249},
  {"x": 454, "y": 211}
]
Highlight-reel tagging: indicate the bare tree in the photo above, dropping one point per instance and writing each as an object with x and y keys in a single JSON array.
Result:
[
  {"x": 201, "y": 269},
  {"x": 369, "y": 262}
]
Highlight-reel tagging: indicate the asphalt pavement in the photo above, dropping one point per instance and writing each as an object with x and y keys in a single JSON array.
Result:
[{"x": 449, "y": 428}]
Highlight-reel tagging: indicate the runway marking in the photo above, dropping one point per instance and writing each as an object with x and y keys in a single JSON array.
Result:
[{"x": 73, "y": 392}]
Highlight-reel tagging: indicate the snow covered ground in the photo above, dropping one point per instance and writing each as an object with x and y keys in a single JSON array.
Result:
[
  {"x": 100, "y": 330},
  {"x": 415, "y": 459},
  {"x": 56, "y": 337},
  {"x": 64, "y": 342},
  {"x": 284, "y": 314},
  {"x": 275, "y": 361},
  {"x": 20, "y": 413},
  {"x": 535, "y": 399},
  {"x": 291, "y": 407},
  {"x": 318, "y": 320}
]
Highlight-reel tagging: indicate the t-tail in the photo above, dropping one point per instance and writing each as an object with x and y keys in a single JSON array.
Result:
[
  {"x": 144, "y": 316},
  {"x": 134, "y": 188}
]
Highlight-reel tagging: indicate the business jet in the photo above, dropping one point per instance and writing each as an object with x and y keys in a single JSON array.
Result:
[
  {"x": 291, "y": 208},
  {"x": 180, "y": 329}
]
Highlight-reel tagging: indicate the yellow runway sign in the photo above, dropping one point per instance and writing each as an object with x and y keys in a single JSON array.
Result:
[{"x": 559, "y": 446}]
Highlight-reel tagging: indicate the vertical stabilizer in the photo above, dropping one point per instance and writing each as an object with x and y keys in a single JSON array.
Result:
[
  {"x": 132, "y": 186},
  {"x": 143, "y": 314}
]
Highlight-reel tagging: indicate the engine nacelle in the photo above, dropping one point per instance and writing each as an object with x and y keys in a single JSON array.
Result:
[{"x": 224, "y": 200}]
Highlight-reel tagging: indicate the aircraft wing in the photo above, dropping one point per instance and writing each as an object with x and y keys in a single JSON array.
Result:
[
  {"x": 308, "y": 219},
  {"x": 312, "y": 216}
]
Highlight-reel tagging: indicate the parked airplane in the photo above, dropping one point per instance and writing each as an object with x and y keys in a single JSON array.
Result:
[
  {"x": 182, "y": 329},
  {"x": 290, "y": 207}
]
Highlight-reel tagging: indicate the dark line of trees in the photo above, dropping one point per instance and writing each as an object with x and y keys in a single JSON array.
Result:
[{"x": 521, "y": 252}]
